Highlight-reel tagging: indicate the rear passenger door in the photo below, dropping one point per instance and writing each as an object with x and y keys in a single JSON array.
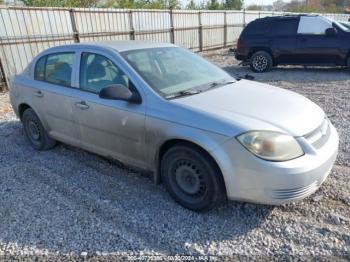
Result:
[
  {"x": 284, "y": 40},
  {"x": 51, "y": 93}
]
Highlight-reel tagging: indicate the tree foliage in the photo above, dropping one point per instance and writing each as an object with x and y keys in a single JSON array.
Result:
[
  {"x": 61, "y": 3},
  {"x": 226, "y": 4},
  {"x": 317, "y": 6},
  {"x": 138, "y": 4},
  {"x": 233, "y": 4},
  {"x": 254, "y": 7},
  {"x": 214, "y": 5}
]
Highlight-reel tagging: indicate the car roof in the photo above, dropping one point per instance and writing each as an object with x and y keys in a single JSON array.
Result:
[
  {"x": 289, "y": 16},
  {"x": 118, "y": 46}
]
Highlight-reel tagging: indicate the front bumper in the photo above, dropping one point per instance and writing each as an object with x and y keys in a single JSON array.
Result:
[{"x": 251, "y": 179}]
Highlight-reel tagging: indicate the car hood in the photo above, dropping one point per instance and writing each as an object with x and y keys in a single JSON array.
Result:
[{"x": 253, "y": 105}]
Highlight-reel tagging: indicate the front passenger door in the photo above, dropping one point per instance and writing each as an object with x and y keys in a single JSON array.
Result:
[
  {"x": 112, "y": 128},
  {"x": 314, "y": 46}
]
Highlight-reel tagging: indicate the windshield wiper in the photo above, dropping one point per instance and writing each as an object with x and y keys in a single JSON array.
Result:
[
  {"x": 183, "y": 93},
  {"x": 217, "y": 84}
]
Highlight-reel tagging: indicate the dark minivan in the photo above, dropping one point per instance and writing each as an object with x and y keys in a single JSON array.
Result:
[{"x": 293, "y": 40}]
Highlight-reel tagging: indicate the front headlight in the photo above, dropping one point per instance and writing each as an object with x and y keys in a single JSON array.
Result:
[{"x": 272, "y": 146}]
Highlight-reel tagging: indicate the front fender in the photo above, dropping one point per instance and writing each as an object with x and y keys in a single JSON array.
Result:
[{"x": 159, "y": 132}]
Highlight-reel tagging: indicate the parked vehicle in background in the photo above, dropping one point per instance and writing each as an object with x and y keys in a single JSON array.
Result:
[
  {"x": 204, "y": 134},
  {"x": 294, "y": 40},
  {"x": 346, "y": 24}
]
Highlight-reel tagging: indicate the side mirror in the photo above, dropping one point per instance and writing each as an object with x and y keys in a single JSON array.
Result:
[
  {"x": 119, "y": 92},
  {"x": 331, "y": 31}
]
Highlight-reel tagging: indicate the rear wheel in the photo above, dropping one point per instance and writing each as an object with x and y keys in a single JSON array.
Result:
[
  {"x": 192, "y": 178},
  {"x": 260, "y": 62},
  {"x": 35, "y": 132}
]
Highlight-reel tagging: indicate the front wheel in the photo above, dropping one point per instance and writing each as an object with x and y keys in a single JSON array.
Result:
[
  {"x": 261, "y": 62},
  {"x": 192, "y": 178}
]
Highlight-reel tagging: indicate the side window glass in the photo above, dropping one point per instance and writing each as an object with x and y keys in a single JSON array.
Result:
[
  {"x": 58, "y": 68},
  {"x": 257, "y": 27},
  {"x": 97, "y": 72},
  {"x": 285, "y": 28},
  {"x": 313, "y": 25},
  {"x": 39, "y": 71}
]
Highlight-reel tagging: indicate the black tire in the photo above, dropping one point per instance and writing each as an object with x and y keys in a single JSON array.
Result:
[
  {"x": 192, "y": 178},
  {"x": 260, "y": 62},
  {"x": 35, "y": 132}
]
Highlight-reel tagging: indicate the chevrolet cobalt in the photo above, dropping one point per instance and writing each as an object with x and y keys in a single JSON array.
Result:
[{"x": 206, "y": 135}]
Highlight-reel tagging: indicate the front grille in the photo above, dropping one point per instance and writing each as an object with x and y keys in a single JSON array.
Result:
[
  {"x": 294, "y": 192},
  {"x": 320, "y": 135}
]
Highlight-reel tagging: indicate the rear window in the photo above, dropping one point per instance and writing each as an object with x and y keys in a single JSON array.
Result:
[
  {"x": 257, "y": 27},
  {"x": 285, "y": 27},
  {"x": 39, "y": 72},
  {"x": 55, "y": 68}
]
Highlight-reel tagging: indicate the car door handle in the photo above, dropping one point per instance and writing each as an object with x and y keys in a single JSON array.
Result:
[
  {"x": 82, "y": 105},
  {"x": 38, "y": 93},
  {"x": 303, "y": 40}
]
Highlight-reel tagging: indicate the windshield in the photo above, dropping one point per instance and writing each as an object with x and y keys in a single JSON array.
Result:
[
  {"x": 340, "y": 25},
  {"x": 170, "y": 70}
]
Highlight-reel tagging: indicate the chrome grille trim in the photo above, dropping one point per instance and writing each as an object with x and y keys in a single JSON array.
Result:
[
  {"x": 294, "y": 192},
  {"x": 320, "y": 135}
]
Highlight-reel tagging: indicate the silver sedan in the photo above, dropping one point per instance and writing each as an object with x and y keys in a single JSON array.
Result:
[{"x": 207, "y": 136}]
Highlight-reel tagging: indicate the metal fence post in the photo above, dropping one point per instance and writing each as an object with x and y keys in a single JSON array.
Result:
[
  {"x": 74, "y": 26},
  {"x": 200, "y": 32},
  {"x": 243, "y": 18},
  {"x": 172, "y": 31},
  {"x": 131, "y": 23},
  {"x": 3, "y": 77},
  {"x": 225, "y": 28}
]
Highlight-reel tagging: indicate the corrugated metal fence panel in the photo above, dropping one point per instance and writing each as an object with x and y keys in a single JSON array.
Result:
[
  {"x": 152, "y": 25},
  {"x": 263, "y": 14},
  {"x": 102, "y": 24},
  {"x": 213, "y": 29},
  {"x": 186, "y": 28},
  {"x": 338, "y": 17},
  {"x": 251, "y": 16},
  {"x": 26, "y": 32},
  {"x": 234, "y": 20}
]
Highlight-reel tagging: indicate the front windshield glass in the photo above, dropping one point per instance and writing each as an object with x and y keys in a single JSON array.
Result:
[
  {"x": 170, "y": 70},
  {"x": 340, "y": 25}
]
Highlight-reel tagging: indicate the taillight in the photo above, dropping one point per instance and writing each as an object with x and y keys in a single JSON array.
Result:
[{"x": 238, "y": 43}]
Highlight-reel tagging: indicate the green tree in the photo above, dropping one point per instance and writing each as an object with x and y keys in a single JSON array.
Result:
[
  {"x": 317, "y": 6},
  {"x": 174, "y": 4},
  {"x": 118, "y": 4},
  {"x": 147, "y": 4},
  {"x": 233, "y": 4},
  {"x": 254, "y": 7},
  {"x": 214, "y": 5},
  {"x": 192, "y": 5},
  {"x": 61, "y": 3}
]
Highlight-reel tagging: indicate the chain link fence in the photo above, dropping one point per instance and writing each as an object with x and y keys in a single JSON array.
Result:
[{"x": 26, "y": 31}]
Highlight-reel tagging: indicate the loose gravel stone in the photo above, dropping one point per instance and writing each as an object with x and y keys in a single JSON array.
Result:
[{"x": 66, "y": 203}]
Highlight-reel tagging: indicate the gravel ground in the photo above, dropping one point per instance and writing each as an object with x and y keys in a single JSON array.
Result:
[{"x": 67, "y": 202}]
